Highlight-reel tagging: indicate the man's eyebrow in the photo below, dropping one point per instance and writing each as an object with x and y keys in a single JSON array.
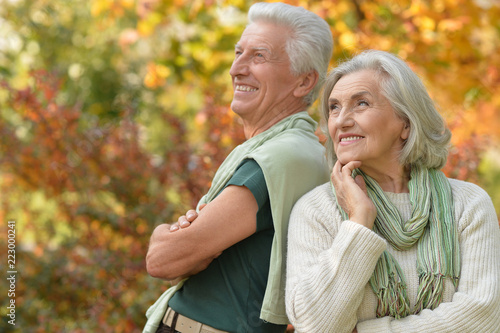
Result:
[
  {"x": 237, "y": 46},
  {"x": 261, "y": 49}
]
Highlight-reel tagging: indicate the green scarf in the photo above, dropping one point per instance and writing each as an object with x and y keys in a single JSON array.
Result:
[{"x": 431, "y": 227}]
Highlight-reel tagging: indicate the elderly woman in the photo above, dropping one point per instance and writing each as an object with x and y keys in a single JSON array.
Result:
[{"x": 391, "y": 244}]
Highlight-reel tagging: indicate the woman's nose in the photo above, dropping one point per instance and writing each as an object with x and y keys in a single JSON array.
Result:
[{"x": 344, "y": 119}]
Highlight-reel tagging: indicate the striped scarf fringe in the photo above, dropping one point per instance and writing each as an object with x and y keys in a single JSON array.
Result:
[{"x": 431, "y": 227}]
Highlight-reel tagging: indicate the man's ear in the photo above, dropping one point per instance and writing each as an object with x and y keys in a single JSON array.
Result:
[{"x": 306, "y": 83}]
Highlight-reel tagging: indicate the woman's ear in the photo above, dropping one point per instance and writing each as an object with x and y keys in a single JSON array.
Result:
[
  {"x": 405, "y": 133},
  {"x": 306, "y": 84}
]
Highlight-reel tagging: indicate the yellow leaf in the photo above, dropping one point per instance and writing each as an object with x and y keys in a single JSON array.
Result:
[
  {"x": 127, "y": 3},
  {"x": 425, "y": 23},
  {"x": 99, "y": 6},
  {"x": 348, "y": 40},
  {"x": 341, "y": 27}
]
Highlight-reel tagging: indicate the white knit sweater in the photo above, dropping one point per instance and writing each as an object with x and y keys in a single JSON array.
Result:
[{"x": 330, "y": 262}]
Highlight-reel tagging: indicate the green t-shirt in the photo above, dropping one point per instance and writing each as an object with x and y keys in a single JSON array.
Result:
[{"x": 228, "y": 294}]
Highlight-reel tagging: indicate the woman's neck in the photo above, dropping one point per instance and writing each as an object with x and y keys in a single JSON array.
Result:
[{"x": 395, "y": 181}]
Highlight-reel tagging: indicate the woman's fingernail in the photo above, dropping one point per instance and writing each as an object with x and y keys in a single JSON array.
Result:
[
  {"x": 185, "y": 223},
  {"x": 174, "y": 227}
]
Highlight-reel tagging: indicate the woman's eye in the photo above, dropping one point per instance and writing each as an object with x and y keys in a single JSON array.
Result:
[
  {"x": 334, "y": 108},
  {"x": 363, "y": 103}
]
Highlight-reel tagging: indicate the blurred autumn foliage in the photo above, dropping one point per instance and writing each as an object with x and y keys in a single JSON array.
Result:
[{"x": 114, "y": 115}]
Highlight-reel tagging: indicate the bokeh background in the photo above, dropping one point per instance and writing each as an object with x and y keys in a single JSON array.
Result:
[{"x": 114, "y": 115}]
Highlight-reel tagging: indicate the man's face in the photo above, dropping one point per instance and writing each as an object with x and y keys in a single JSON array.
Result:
[{"x": 262, "y": 82}]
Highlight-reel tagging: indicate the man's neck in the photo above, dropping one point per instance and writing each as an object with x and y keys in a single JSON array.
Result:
[{"x": 252, "y": 129}]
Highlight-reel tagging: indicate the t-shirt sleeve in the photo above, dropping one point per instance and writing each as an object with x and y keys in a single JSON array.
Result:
[{"x": 250, "y": 175}]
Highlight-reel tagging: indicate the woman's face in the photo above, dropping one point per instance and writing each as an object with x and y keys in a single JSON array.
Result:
[{"x": 362, "y": 123}]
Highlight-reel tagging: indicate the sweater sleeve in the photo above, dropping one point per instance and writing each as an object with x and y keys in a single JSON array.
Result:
[
  {"x": 328, "y": 266},
  {"x": 475, "y": 306}
]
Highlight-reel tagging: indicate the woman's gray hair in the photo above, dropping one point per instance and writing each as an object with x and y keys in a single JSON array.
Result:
[
  {"x": 428, "y": 141},
  {"x": 310, "y": 44}
]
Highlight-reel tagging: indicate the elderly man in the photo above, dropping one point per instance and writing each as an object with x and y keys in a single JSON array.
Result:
[{"x": 232, "y": 257}]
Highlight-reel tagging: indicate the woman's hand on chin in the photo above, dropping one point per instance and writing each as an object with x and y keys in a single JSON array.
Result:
[{"x": 352, "y": 195}]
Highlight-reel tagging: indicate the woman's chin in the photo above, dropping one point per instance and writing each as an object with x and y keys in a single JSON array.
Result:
[{"x": 346, "y": 159}]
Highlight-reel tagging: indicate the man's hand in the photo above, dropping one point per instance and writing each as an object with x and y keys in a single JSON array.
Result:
[{"x": 185, "y": 220}]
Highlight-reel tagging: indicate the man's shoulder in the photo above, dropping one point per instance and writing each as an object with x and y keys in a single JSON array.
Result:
[{"x": 294, "y": 146}]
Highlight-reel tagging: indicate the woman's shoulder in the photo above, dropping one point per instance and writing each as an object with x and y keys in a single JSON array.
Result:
[
  {"x": 316, "y": 213},
  {"x": 473, "y": 205},
  {"x": 318, "y": 194},
  {"x": 463, "y": 190},
  {"x": 318, "y": 200}
]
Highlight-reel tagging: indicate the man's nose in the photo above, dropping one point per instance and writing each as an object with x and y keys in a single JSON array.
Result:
[{"x": 239, "y": 66}]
